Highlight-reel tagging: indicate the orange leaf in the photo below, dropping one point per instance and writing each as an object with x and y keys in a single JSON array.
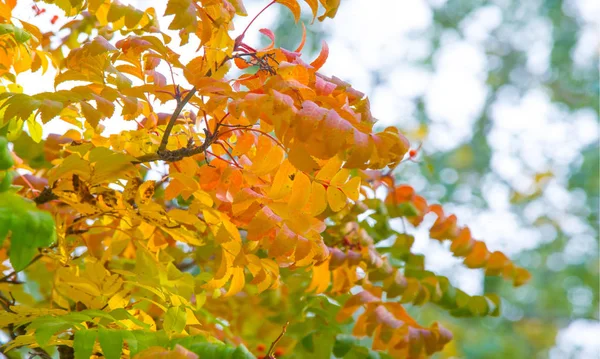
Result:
[
  {"x": 521, "y": 276},
  {"x": 314, "y": 7},
  {"x": 478, "y": 256},
  {"x": 243, "y": 144},
  {"x": 331, "y": 8},
  {"x": 303, "y": 41},
  {"x": 241, "y": 63},
  {"x": 496, "y": 263},
  {"x": 320, "y": 60},
  {"x": 293, "y": 6}
]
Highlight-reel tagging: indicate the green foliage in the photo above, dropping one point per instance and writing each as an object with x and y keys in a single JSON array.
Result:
[{"x": 29, "y": 227}]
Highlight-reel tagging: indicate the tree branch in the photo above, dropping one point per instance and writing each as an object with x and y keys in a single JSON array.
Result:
[
  {"x": 6, "y": 277},
  {"x": 180, "y": 105},
  {"x": 270, "y": 354},
  {"x": 177, "y": 155}
]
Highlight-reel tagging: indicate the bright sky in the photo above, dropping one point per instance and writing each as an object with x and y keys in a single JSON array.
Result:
[{"x": 526, "y": 134}]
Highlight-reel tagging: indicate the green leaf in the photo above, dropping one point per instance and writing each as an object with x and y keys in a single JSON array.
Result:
[
  {"x": 30, "y": 229},
  {"x": 43, "y": 335},
  {"x": 175, "y": 319},
  {"x": 407, "y": 209},
  {"x": 343, "y": 344},
  {"x": 324, "y": 342},
  {"x": 308, "y": 344},
  {"x": 139, "y": 340},
  {"x": 45, "y": 327},
  {"x": 31, "y": 152},
  {"x": 84, "y": 343},
  {"x": 6, "y": 160},
  {"x": 20, "y": 106},
  {"x": 111, "y": 342},
  {"x": 212, "y": 350},
  {"x": 96, "y": 313},
  {"x": 20, "y": 35},
  {"x": 5, "y": 181},
  {"x": 241, "y": 352}
]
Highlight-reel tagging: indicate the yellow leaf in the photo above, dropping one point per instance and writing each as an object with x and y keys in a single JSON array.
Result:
[
  {"x": 340, "y": 178},
  {"x": 282, "y": 183},
  {"x": 266, "y": 164},
  {"x": 182, "y": 216},
  {"x": 145, "y": 192},
  {"x": 231, "y": 228},
  {"x": 35, "y": 130},
  {"x": 204, "y": 198},
  {"x": 301, "y": 159},
  {"x": 223, "y": 273},
  {"x": 336, "y": 199},
  {"x": 300, "y": 192},
  {"x": 191, "y": 317},
  {"x": 91, "y": 115},
  {"x": 352, "y": 188},
  {"x": 318, "y": 199},
  {"x": 299, "y": 222},
  {"x": 330, "y": 169},
  {"x": 320, "y": 279},
  {"x": 237, "y": 281}
]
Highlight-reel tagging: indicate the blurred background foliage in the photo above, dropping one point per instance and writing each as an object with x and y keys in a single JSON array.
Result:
[{"x": 512, "y": 150}]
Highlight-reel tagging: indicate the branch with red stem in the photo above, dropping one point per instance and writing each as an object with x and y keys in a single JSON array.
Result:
[{"x": 238, "y": 40}]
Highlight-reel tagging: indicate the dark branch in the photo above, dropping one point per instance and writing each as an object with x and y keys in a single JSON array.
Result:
[
  {"x": 180, "y": 105},
  {"x": 11, "y": 274}
]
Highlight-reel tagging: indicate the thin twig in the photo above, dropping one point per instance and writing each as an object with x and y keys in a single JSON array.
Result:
[
  {"x": 272, "y": 348},
  {"x": 35, "y": 259},
  {"x": 255, "y": 17}
]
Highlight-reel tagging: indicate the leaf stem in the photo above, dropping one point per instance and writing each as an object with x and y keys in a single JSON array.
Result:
[{"x": 260, "y": 12}]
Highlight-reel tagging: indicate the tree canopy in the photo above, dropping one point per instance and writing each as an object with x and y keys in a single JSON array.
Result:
[{"x": 251, "y": 219}]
